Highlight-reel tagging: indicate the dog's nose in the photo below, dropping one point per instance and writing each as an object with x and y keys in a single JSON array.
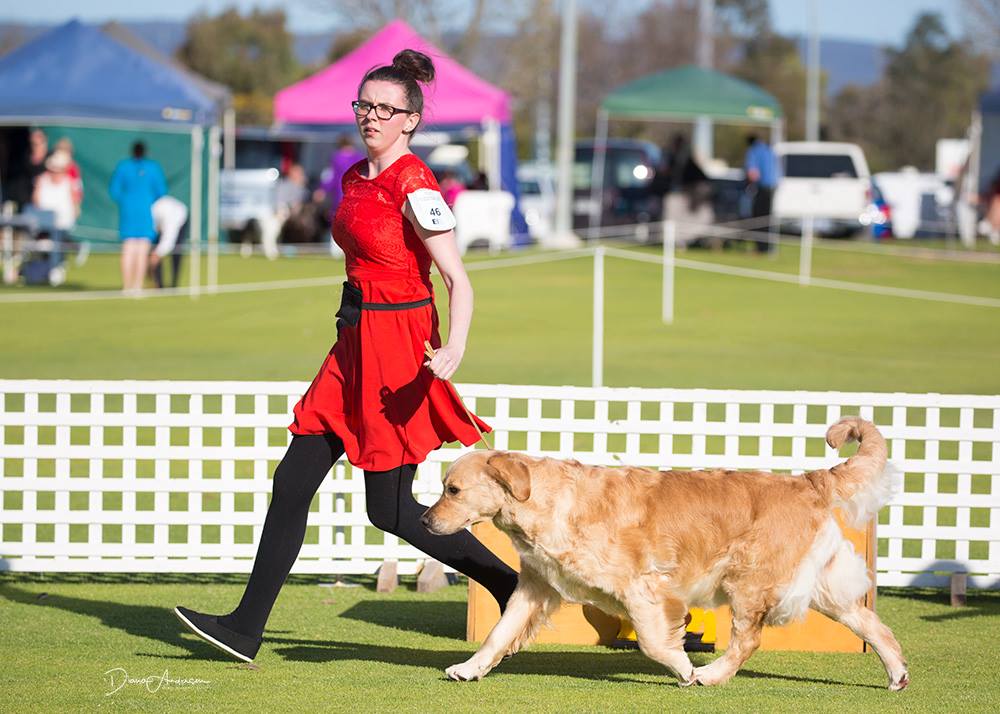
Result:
[{"x": 425, "y": 521}]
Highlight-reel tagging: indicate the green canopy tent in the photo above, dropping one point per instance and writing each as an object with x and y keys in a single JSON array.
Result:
[{"x": 681, "y": 95}]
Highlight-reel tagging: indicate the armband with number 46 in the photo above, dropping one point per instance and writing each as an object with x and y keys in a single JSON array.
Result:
[{"x": 430, "y": 209}]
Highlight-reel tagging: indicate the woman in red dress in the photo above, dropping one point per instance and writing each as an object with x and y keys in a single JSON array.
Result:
[{"x": 375, "y": 398}]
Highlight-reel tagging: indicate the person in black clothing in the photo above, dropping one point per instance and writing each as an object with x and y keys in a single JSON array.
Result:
[{"x": 682, "y": 185}]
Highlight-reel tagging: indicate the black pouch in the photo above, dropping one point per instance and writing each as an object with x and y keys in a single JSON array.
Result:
[{"x": 349, "y": 314}]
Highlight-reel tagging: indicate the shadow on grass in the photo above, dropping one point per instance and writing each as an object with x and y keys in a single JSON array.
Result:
[
  {"x": 146, "y": 621},
  {"x": 979, "y": 603},
  {"x": 616, "y": 666},
  {"x": 753, "y": 674},
  {"x": 440, "y": 619},
  {"x": 14, "y": 578},
  {"x": 585, "y": 665}
]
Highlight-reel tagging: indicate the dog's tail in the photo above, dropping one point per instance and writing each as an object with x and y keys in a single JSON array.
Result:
[{"x": 865, "y": 482}]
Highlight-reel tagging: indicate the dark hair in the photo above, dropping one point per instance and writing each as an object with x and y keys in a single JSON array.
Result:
[
  {"x": 138, "y": 150},
  {"x": 408, "y": 67},
  {"x": 751, "y": 139}
]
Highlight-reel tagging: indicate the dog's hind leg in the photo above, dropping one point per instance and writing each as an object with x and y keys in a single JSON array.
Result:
[
  {"x": 838, "y": 594},
  {"x": 528, "y": 608},
  {"x": 748, "y": 621},
  {"x": 659, "y": 627},
  {"x": 866, "y": 624}
]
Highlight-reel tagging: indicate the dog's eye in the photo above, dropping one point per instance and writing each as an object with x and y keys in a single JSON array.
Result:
[{"x": 452, "y": 490}]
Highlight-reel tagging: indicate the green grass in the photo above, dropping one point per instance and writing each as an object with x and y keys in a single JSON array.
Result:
[
  {"x": 533, "y": 325},
  {"x": 355, "y": 650}
]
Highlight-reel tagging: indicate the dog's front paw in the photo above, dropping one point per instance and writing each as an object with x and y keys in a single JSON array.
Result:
[
  {"x": 708, "y": 676},
  {"x": 465, "y": 672}
]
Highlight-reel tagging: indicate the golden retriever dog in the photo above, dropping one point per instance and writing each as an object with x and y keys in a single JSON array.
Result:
[{"x": 648, "y": 546}]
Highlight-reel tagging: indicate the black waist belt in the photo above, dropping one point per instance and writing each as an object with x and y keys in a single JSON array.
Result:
[{"x": 351, "y": 305}]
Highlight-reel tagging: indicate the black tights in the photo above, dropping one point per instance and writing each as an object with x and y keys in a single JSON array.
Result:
[{"x": 391, "y": 507}]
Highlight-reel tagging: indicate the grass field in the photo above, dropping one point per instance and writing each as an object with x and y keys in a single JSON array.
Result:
[
  {"x": 533, "y": 325},
  {"x": 351, "y": 649}
]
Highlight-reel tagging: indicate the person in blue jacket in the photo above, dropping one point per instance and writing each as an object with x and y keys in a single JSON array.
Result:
[
  {"x": 763, "y": 173},
  {"x": 135, "y": 185}
]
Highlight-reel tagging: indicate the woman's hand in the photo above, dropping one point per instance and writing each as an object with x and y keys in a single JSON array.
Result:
[{"x": 445, "y": 361}]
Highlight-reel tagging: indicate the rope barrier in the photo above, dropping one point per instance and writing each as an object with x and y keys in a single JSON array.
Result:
[
  {"x": 490, "y": 264},
  {"x": 818, "y": 282}
]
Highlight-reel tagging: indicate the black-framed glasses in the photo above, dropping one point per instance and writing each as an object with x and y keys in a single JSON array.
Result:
[{"x": 382, "y": 111}]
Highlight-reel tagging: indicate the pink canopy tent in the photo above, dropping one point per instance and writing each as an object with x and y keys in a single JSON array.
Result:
[{"x": 456, "y": 96}]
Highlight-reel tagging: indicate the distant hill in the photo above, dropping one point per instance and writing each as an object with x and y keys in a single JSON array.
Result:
[
  {"x": 847, "y": 62},
  {"x": 844, "y": 61},
  {"x": 862, "y": 63},
  {"x": 166, "y": 36}
]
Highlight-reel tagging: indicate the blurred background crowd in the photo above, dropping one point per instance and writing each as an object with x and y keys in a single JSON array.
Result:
[{"x": 878, "y": 139}]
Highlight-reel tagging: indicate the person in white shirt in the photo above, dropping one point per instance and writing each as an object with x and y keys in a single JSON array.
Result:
[
  {"x": 170, "y": 220},
  {"x": 54, "y": 192}
]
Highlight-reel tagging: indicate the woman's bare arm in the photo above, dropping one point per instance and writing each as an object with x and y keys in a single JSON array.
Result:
[{"x": 444, "y": 252}]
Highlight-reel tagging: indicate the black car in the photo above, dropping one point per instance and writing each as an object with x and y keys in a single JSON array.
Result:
[{"x": 629, "y": 168}]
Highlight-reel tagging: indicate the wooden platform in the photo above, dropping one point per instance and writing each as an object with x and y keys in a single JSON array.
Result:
[{"x": 575, "y": 624}]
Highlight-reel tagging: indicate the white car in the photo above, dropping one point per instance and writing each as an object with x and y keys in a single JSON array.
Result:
[
  {"x": 920, "y": 201},
  {"x": 827, "y": 180},
  {"x": 536, "y": 183},
  {"x": 248, "y": 207}
]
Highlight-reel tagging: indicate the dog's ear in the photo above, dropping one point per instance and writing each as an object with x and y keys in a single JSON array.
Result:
[{"x": 510, "y": 471}]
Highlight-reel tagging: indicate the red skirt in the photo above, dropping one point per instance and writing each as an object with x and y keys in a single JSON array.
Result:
[{"x": 373, "y": 391}]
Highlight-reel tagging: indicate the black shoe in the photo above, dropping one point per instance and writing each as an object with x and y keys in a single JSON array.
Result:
[{"x": 207, "y": 627}]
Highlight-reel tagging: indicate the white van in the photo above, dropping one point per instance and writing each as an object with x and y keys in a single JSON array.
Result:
[
  {"x": 536, "y": 183},
  {"x": 825, "y": 179},
  {"x": 248, "y": 208}
]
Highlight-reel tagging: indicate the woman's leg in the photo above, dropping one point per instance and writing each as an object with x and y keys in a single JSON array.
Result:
[
  {"x": 135, "y": 252},
  {"x": 141, "y": 266},
  {"x": 392, "y": 508},
  {"x": 126, "y": 275},
  {"x": 296, "y": 481}
]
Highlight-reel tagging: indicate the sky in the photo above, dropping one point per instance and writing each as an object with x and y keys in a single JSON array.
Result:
[{"x": 879, "y": 21}]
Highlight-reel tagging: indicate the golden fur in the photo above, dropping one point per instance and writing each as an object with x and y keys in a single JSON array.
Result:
[{"x": 650, "y": 545}]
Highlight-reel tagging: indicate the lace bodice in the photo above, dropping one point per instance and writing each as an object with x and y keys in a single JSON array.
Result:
[{"x": 369, "y": 225}]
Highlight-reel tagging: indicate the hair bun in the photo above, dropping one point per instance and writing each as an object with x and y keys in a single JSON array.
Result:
[{"x": 416, "y": 64}]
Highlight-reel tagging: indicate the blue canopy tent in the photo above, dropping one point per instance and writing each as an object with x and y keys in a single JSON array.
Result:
[
  {"x": 77, "y": 81},
  {"x": 76, "y": 71}
]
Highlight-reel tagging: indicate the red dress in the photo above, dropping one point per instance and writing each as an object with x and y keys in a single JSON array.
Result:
[{"x": 373, "y": 390}]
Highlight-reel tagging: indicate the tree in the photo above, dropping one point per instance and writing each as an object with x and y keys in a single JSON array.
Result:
[
  {"x": 774, "y": 63},
  {"x": 251, "y": 54},
  {"x": 434, "y": 19},
  {"x": 345, "y": 43},
  {"x": 530, "y": 75},
  {"x": 982, "y": 23},
  {"x": 745, "y": 18},
  {"x": 662, "y": 36},
  {"x": 927, "y": 92},
  {"x": 856, "y": 115},
  {"x": 10, "y": 40}
]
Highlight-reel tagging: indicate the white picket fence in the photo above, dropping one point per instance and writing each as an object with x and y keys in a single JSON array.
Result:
[{"x": 157, "y": 476}]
